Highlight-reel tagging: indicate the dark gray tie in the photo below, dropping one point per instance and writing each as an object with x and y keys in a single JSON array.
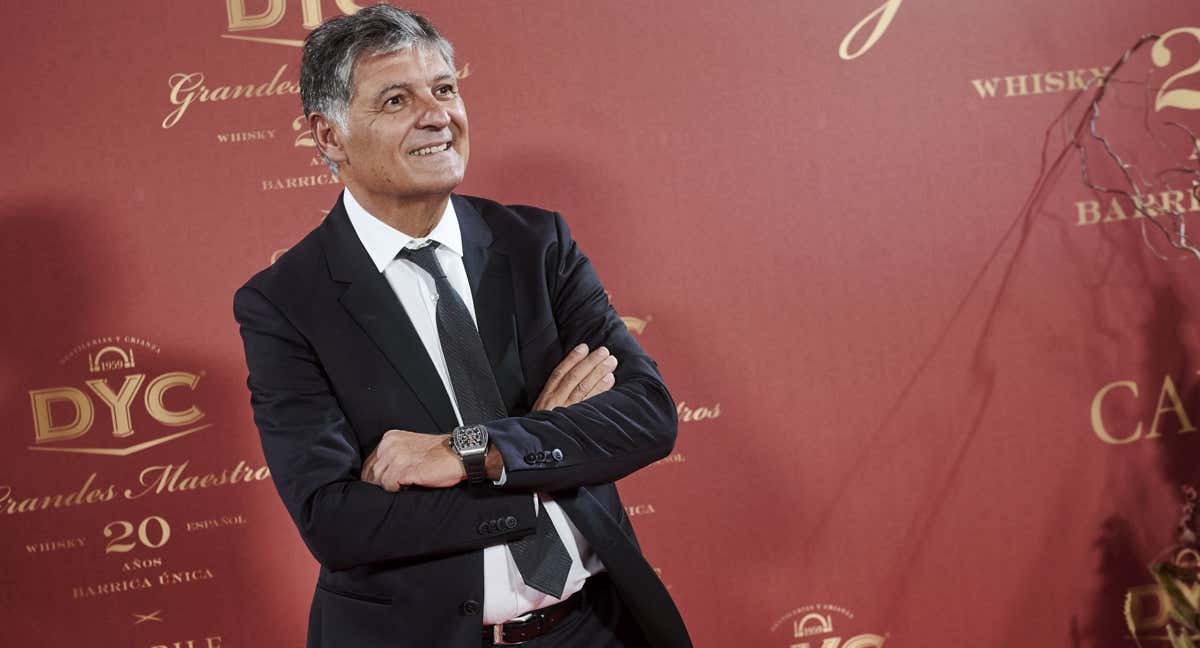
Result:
[{"x": 541, "y": 557}]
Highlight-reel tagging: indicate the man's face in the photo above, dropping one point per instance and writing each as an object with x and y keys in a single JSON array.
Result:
[{"x": 407, "y": 126}]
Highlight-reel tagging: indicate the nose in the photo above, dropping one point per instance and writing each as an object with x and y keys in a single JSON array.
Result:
[{"x": 434, "y": 114}]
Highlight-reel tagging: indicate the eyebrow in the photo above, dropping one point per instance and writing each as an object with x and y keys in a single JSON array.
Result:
[
  {"x": 400, "y": 85},
  {"x": 389, "y": 87}
]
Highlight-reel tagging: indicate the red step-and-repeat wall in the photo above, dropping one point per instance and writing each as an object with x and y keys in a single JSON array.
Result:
[{"x": 934, "y": 389}]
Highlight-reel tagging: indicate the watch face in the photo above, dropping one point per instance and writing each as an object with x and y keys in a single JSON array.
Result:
[{"x": 471, "y": 438}]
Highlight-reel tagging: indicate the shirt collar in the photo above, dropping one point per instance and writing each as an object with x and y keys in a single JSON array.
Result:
[{"x": 383, "y": 242}]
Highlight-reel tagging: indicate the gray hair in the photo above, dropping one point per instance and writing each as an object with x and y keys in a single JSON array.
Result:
[{"x": 332, "y": 49}]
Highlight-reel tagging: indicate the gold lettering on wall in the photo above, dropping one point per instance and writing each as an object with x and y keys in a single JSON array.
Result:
[
  {"x": 152, "y": 480},
  {"x": 152, "y": 532},
  {"x": 304, "y": 136},
  {"x": 692, "y": 413},
  {"x": 1174, "y": 201},
  {"x": 62, "y": 544},
  {"x": 882, "y": 19},
  {"x": 236, "y": 519},
  {"x": 172, "y": 478},
  {"x": 118, "y": 402},
  {"x": 240, "y": 18},
  {"x": 1150, "y": 606},
  {"x": 45, "y": 431},
  {"x": 234, "y": 137},
  {"x": 1168, "y": 96},
  {"x": 299, "y": 182},
  {"x": 109, "y": 588},
  {"x": 138, "y": 564},
  {"x": 636, "y": 324},
  {"x": 635, "y": 510},
  {"x": 1169, "y": 403},
  {"x": 188, "y": 88},
  {"x": 675, "y": 457},
  {"x": 97, "y": 362},
  {"x": 129, "y": 584},
  {"x": 1037, "y": 83},
  {"x": 812, "y": 626}
]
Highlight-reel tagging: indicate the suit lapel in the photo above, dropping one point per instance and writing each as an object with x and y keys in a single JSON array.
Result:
[
  {"x": 490, "y": 277},
  {"x": 372, "y": 303}
]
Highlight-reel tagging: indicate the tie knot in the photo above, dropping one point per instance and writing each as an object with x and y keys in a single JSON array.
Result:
[{"x": 424, "y": 258}]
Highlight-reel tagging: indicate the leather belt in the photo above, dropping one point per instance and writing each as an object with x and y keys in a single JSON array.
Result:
[{"x": 532, "y": 624}]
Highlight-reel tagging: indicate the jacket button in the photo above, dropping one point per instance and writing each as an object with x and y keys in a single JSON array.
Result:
[
  {"x": 483, "y": 528},
  {"x": 510, "y": 522},
  {"x": 470, "y": 608},
  {"x": 557, "y": 454}
]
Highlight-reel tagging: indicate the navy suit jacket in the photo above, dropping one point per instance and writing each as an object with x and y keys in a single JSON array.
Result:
[{"x": 334, "y": 362}]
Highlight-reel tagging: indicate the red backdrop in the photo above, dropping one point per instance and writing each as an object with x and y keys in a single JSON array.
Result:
[{"x": 918, "y": 407}]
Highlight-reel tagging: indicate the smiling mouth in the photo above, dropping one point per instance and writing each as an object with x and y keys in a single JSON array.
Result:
[{"x": 430, "y": 150}]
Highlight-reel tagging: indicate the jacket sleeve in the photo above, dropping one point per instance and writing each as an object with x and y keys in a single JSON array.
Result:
[
  {"x": 315, "y": 462},
  {"x": 607, "y": 436}
]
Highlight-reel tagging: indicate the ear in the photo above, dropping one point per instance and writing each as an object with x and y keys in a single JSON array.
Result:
[{"x": 327, "y": 137}]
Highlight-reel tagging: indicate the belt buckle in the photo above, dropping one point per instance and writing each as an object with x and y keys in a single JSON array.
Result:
[
  {"x": 498, "y": 636},
  {"x": 498, "y": 629}
]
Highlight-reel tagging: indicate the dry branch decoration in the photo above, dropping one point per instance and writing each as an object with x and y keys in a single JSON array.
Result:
[
  {"x": 1166, "y": 220},
  {"x": 1177, "y": 570}
]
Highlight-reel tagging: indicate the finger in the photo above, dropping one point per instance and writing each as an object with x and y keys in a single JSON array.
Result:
[
  {"x": 367, "y": 473},
  {"x": 605, "y": 383},
  {"x": 390, "y": 479},
  {"x": 550, "y": 396},
  {"x": 588, "y": 383},
  {"x": 570, "y": 382},
  {"x": 573, "y": 358}
]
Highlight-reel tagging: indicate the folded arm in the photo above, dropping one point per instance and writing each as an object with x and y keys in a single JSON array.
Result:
[
  {"x": 608, "y": 435},
  {"x": 316, "y": 464},
  {"x": 404, "y": 458}
]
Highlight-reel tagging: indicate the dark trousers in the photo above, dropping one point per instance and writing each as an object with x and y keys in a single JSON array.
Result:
[{"x": 600, "y": 622}]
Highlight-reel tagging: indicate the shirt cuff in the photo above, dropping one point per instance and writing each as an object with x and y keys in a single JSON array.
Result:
[{"x": 503, "y": 477}]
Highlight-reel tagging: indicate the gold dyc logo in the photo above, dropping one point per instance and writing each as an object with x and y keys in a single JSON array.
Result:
[
  {"x": 242, "y": 20},
  {"x": 66, "y": 412}
]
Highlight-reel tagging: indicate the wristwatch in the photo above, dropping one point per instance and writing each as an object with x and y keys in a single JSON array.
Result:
[{"x": 470, "y": 443}]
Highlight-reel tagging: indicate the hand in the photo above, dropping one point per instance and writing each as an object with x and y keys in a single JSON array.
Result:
[
  {"x": 405, "y": 458},
  {"x": 580, "y": 375}
]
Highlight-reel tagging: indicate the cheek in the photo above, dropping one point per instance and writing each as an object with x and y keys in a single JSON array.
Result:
[
  {"x": 458, "y": 114},
  {"x": 464, "y": 142}
]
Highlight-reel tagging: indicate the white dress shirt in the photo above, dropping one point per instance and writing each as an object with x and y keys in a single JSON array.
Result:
[{"x": 505, "y": 594}]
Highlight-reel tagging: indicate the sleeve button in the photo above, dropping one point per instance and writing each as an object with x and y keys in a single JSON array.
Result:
[
  {"x": 510, "y": 522},
  {"x": 483, "y": 528},
  {"x": 557, "y": 454},
  {"x": 470, "y": 608}
]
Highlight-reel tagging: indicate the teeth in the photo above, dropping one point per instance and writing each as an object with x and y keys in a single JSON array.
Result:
[{"x": 431, "y": 149}]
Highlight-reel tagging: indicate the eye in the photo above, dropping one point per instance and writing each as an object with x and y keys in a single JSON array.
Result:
[
  {"x": 394, "y": 101},
  {"x": 446, "y": 90}
]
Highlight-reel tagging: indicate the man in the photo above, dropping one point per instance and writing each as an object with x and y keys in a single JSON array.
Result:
[{"x": 393, "y": 355}]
